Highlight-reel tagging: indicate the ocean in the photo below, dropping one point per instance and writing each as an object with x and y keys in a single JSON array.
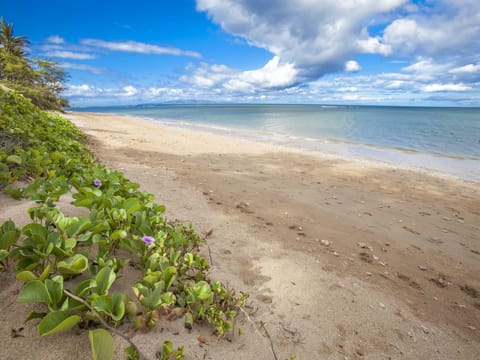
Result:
[{"x": 436, "y": 140}]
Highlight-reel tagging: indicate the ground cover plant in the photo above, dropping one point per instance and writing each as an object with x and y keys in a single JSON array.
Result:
[{"x": 70, "y": 264}]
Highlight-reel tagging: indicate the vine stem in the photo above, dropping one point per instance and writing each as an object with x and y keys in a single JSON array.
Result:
[
  {"x": 262, "y": 325},
  {"x": 104, "y": 323}
]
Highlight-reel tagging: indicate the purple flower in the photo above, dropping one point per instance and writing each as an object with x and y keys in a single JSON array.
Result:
[
  {"x": 97, "y": 182},
  {"x": 148, "y": 240}
]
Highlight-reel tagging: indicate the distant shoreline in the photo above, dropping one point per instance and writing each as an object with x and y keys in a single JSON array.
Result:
[{"x": 453, "y": 167}]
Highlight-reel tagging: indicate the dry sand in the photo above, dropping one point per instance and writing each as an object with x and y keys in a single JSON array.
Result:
[{"x": 344, "y": 260}]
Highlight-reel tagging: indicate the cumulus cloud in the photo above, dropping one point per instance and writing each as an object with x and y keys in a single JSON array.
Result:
[
  {"x": 316, "y": 37},
  {"x": 352, "y": 66},
  {"x": 128, "y": 91},
  {"x": 206, "y": 76},
  {"x": 82, "y": 90},
  {"x": 274, "y": 75},
  {"x": 138, "y": 47},
  {"x": 449, "y": 29}
]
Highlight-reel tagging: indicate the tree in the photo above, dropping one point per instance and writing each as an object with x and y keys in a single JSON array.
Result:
[
  {"x": 12, "y": 45},
  {"x": 41, "y": 85},
  {"x": 50, "y": 75},
  {"x": 14, "y": 66}
]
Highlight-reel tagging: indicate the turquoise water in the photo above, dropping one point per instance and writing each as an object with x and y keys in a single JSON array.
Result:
[{"x": 444, "y": 140}]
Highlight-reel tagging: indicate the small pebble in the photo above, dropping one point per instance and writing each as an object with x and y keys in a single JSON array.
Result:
[
  {"x": 422, "y": 267},
  {"x": 382, "y": 305},
  {"x": 376, "y": 258},
  {"x": 472, "y": 327},
  {"x": 412, "y": 335},
  {"x": 425, "y": 329},
  {"x": 336, "y": 254}
]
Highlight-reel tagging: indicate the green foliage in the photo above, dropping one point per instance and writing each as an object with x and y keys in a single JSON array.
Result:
[
  {"x": 167, "y": 352},
  {"x": 54, "y": 248},
  {"x": 57, "y": 321},
  {"x": 101, "y": 343}
]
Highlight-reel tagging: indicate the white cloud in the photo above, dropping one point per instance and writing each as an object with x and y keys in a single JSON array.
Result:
[
  {"x": 128, "y": 91},
  {"x": 445, "y": 87},
  {"x": 372, "y": 45},
  {"x": 206, "y": 76},
  {"x": 395, "y": 84},
  {"x": 83, "y": 90},
  {"x": 316, "y": 37},
  {"x": 84, "y": 67},
  {"x": 55, "y": 39},
  {"x": 467, "y": 69},
  {"x": 272, "y": 75},
  {"x": 138, "y": 47},
  {"x": 65, "y": 54},
  {"x": 352, "y": 66},
  {"x": 165, "y": 92},
  {"x": 448, "y": 29}
]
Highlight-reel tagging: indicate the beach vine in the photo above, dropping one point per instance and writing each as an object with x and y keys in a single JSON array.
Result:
[{"x": 71, "y": 264}]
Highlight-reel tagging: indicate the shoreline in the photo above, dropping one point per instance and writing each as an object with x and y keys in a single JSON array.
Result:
[{"x": 365, "y": 155}]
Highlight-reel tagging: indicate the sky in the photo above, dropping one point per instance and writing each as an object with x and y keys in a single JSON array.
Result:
[{"x": 366, "y": 52}]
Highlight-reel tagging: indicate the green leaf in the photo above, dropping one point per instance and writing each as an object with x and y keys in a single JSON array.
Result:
[
  {"x": 132, "y": 353},
  {"x": 79, "y": 227},
  {"x": 57, "y": 321},
  {"x": 105, "y": 278},
  {"x": 8, "y": 238},
  {"x": 131, "y": 205},
  {"x": 14, "y": 192},
  {"x": 159, "y": 298},
  {"x": 26, "y": 276},
  {"x": 3, "y": 255},
  {"x": 118, "y": 311},
  {"x": 102, "y": 344},
  {"x": 70, "y": 243},
  {"x": 84, "y": 286},
  {"x": 74, "y": 265},
  {"x": 33, "y": 291},
  {"x": 167, "y": 350},
  {"x": 169, "y": 276},
  {"x": 118, "y": 234},
  {"x": 54, "y": 289},
  {"x": 104, "y": 304},
  {"x": 35, "y": 231},
  {"x": 14, "y": 159},
  {"x": 203, "y": 290},
  {"x": 44, "y": 273},
  {"x": 34, "y": 315}
]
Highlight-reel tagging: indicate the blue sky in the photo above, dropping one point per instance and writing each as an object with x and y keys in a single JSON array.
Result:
[{"x": 388, "y": 52}]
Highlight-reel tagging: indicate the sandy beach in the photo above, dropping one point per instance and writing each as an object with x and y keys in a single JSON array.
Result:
[{"x": 342, "y": 259}]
